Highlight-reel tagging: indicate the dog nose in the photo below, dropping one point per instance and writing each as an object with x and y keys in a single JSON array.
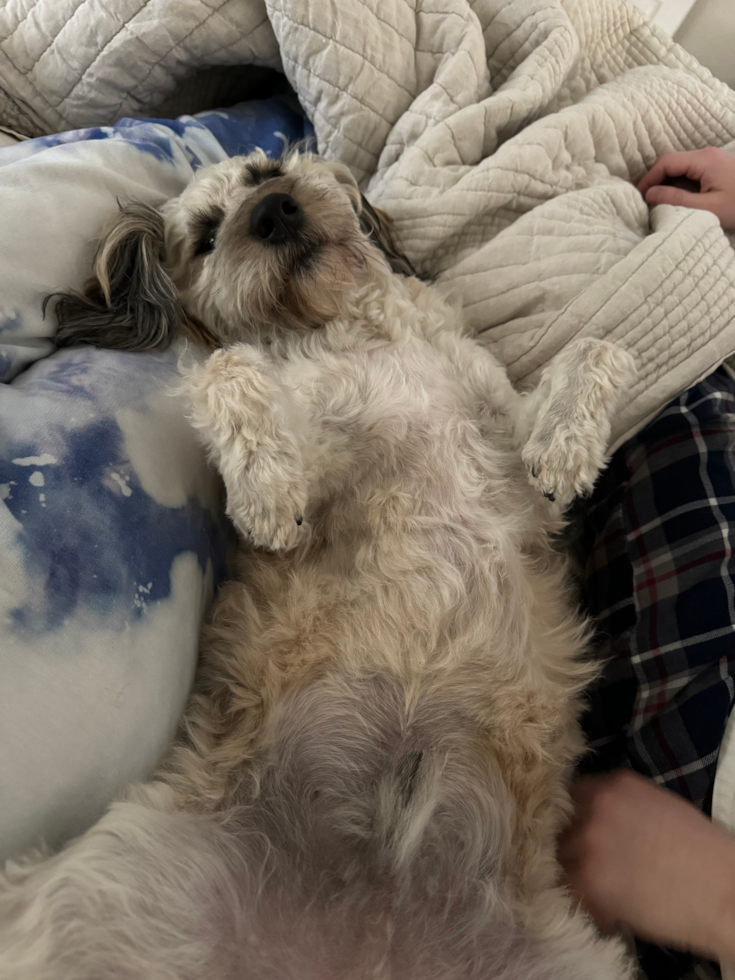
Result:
[{"x": 277, "y": 218}]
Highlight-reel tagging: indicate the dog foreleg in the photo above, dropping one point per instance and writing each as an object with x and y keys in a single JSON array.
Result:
[
  {"x": 564, "y": 425},
  {"x": 241, "y": 413}
]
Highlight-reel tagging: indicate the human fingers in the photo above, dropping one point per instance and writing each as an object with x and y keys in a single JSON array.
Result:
[
  {"x": 718, "y": 203},
  {"x": 640, "y": 855},
  {"x": 689, "y": 163}
]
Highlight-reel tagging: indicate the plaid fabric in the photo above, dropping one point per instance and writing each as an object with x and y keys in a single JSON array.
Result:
[{"x": 658, "y": 536}]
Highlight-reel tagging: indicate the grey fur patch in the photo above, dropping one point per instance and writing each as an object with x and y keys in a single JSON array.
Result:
[
  {"x": 131, "y": 302},
  {"x": 377, "y": 226}
]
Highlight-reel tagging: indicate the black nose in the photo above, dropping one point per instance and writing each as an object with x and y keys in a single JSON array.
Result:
[{"x": 276, "y": 219}]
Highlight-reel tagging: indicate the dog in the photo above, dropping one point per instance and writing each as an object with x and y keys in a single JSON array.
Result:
[{"x": 374, "y": 765}]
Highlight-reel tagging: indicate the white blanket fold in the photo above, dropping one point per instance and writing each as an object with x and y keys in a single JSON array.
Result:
[{"x": 501, "y": 136}]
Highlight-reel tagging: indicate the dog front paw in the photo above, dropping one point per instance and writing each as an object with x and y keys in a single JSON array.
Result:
[
  {"x": 270, "y": 520},
  {"x": 240, "y": 410},
  {"x": 267, "y": 493},
  {"x": 560, "y": 468},
  {"x": 567, "y": 447}
]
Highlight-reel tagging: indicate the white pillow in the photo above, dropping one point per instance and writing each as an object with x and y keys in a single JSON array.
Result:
[{"x": 111, "y": 531}]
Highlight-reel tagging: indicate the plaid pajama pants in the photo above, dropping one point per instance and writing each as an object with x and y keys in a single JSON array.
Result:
[{"x": 658, "y": 539}]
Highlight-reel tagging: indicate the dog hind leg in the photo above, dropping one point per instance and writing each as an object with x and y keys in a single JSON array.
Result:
[{"x": 143, "y": 894}]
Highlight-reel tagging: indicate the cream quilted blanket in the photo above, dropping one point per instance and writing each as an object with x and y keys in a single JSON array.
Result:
[{"x": 501, "y": 136}]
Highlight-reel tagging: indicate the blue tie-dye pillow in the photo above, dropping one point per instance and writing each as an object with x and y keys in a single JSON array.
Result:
[{"x": 111, "y": 528}]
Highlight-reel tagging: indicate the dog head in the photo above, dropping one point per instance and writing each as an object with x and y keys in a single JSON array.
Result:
[{"x": 252, "y": 242}]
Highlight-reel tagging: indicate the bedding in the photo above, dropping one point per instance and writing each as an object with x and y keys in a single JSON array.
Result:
[
  {"x": 112, "y": 535},
  {"x": 502, "y": 138},
  {"x": 659, "y": 581}
]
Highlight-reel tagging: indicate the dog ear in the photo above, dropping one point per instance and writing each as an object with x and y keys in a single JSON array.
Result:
[
  {"x": 343, "y": 175},
  {"x": 131, "y": 302},
  {"x": 378, "y": 227},
  {"x": 375, "y": 223}
]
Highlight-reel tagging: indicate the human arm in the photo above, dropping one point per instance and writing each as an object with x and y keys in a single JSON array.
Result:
[{"x": 640, "y": 856}]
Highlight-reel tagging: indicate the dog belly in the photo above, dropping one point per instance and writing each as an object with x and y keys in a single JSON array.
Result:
[{"x": 493, "y": 653}]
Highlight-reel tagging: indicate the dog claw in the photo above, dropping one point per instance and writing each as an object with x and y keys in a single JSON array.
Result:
[
  {"x": 299, "y": 520},
  {"x": 534, "y": 471},
  {"x": 550, "y": 496}
]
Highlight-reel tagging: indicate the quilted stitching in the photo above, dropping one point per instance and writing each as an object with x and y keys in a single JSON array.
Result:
[{"x": 86, "y": 62}]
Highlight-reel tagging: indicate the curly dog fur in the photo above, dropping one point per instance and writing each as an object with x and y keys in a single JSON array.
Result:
[{"x": 373, "y": 769}]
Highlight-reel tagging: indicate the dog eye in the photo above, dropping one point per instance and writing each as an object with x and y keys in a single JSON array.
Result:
[
  {"x": 256, "y": 173},
  {"x": 206, "y": 227},
  {"x": 207, "y": 244}
]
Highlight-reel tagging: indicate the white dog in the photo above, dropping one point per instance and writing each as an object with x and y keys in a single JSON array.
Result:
[{"x": 373, "y": 769}]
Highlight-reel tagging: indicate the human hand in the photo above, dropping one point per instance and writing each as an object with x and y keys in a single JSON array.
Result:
[
  {"x": 713, "y": 169},
  {"x": 640, "y": 856}
]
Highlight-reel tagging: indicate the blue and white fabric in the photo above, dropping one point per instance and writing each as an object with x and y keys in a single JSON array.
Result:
[{"x": 112, "y": 536}]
